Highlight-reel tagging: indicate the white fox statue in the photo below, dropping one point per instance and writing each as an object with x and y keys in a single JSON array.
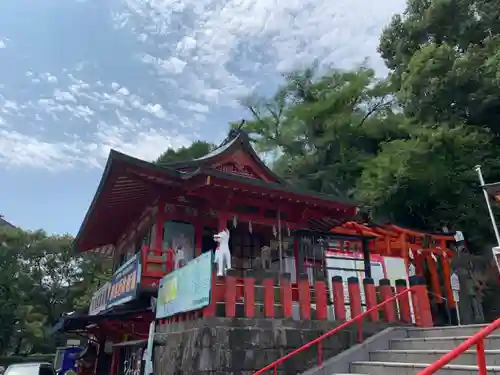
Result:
[{"x": 222, "y": 253}]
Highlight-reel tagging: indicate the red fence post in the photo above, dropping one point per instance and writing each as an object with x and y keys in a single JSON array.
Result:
[
  {"x": 338, "y": 298},
  {"x": 249, "y": 296},
  {"x": 304, "y": 297},
  {"x": 320, "y": 296},
  {"x": 354, "y": 296},
  {"x": 286, "y": 295},
  {"x": 209, "y": 311},
  {"x": 371, "y": 298},
  {"x": 385, "y": 294},
  {"x": 403, "y": 301},
  {"x": 230, "y": 294},
  {"x": 268, "y": 284},
  {"x": 421, "y": 303}
]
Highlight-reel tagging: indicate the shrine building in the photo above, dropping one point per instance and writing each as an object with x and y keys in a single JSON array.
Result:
[{"x": 292, "y": 251}]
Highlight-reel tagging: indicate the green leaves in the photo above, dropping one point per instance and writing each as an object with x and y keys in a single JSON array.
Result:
[
  {"x": 195, "y": 150},
  {"x": 41, "y": 278}
]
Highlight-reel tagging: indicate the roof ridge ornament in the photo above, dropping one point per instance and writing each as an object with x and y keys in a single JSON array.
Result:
[{"x": 233, "y": 133}]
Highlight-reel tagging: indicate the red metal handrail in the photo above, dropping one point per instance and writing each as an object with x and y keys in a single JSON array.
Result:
[
  {"x": 477, "y": 339},
  {"x": 358, "y": 319}
]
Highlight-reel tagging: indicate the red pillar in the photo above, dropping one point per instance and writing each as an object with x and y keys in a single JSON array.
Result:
[
  {"x": 418, "y": 260},
  {"x": 385, "y": 294},
  {"x": 304, "y": 298},
  {"x": 436, "y": 284},
  {"x": 403, "y": 301},
  {"x": 320, "y": 291},
  {"x": 338, "y": 298},
  {"x": 421, "y": 303},
  {"x": 371, "y": 298},
  {"x": 286, "y": 295},
  {"x": 268, "y": 283},
  {"x": 445, "y": 263},
  {"x": 249, "y": 296},
  {"x": 354, "y": 296}
]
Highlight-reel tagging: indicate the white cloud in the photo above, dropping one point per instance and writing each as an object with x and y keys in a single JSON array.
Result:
[
  {"x": 200, "y": 57},
  {"x": 147, "y": 145},
  {"x": 193, "y": 106},
  {"x": 19, "y": 150},
  {"x": 64, "y": 96},
  {"x": 254, "y": 36}
]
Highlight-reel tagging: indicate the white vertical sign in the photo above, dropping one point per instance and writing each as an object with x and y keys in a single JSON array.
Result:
[
  {"x": 455, "y": 287},
  {"x": 148, "y": 367}
]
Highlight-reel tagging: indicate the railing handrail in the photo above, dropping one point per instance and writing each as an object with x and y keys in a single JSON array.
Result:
[
  {"x": 473, "y": 340},
  {"x": 333, "y": 331}
]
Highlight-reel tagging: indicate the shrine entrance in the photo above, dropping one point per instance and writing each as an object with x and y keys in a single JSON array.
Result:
[{"x": 424, "y": 254}]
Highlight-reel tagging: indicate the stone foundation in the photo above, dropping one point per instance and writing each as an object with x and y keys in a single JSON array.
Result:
[{"x": 240, "y": 346}]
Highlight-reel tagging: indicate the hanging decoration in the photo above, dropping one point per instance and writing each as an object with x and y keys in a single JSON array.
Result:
[
  {"x": 410, "y": 254},
  {"x": 275, "y": 232},
  {"x": 235, "y": 221},
  {"x": 433, "y": 256},
  {"x": 288, "y": 230},
  {"x": 250, "y": 227}
]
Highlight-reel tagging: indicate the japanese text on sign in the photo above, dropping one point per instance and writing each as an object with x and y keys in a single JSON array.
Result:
[{"x": 124, "y": 283}]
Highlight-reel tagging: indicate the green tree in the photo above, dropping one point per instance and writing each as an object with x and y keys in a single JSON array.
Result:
[
  {"x": 10, "y": 290},
  {"x": 43, "y": 280},
  {"x": 428, "y": 181},
  {"x": 444, "y": 57},
  {"x": 196, "y": 150},
  {"x": 322, "y": 129}
]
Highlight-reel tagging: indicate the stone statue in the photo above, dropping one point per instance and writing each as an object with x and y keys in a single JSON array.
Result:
[
  {"x": 222, "y": 253},
  {"x": 265, "y": 257}
]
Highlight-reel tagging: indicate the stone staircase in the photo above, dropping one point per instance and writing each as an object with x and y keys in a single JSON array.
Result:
[
  {"x": 423, "y": 346},
  {"x": 407, "y": 351}
]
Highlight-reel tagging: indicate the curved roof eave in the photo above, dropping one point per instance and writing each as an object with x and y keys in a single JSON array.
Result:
[{"x": 116, "y": 159}]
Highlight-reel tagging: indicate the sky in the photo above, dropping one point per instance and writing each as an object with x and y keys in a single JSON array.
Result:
[{"x": 81, "y": 77}]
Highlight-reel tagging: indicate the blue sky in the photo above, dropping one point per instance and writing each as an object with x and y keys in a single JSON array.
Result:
[{"x": 78, "y": 77}]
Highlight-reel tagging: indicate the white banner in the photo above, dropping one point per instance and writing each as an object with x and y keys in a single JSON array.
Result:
[{"x": 99, "y": 300}]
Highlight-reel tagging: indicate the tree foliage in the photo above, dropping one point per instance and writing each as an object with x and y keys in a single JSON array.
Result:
[
  {"x": 444, "y": 56},
  {"x": 324, "y": 128},
  {"x": 196, "y": 150},
  {"x": 41, "y": 279}
]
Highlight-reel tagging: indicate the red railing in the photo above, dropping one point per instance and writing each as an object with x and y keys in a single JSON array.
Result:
[
  {"x": 477, "y": 339},
  {"x": 318, "y": 341}
]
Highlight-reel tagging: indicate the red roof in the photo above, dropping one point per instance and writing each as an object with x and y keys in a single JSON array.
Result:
[{"x": 129, "y": 185}]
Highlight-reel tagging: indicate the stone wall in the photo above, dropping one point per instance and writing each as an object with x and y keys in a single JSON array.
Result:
[{"x": 242, "y": 346}]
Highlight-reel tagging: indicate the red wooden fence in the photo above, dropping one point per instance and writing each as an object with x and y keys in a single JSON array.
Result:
[{"x": 267, "y": 296}]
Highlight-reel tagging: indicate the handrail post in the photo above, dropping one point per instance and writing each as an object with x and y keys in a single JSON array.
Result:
[{"x": 481, "y": 360}]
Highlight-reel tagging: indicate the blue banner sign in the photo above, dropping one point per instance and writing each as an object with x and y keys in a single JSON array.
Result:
[
  {"x": 124, "y": 283},
  {"x": 186, "y": 289}
]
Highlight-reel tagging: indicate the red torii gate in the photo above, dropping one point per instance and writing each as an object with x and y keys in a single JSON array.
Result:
[{"x": 414, "y": 247}]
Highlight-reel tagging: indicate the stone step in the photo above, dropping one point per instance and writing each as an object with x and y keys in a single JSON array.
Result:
[
  {"x": 466, "y": 330},
  {"x": 398, "y": 368},
  {"x": 440, "y": 343},
  {"x": 430, "y": 356}
]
